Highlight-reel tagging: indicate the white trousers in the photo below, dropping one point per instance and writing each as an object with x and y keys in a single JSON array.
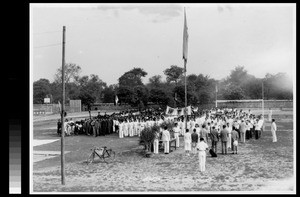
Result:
[
  {"x": 274, "y": 136},
  {"x": 229, "y": 141},
  {"x": 202, "y": 160},
  {"x": 187, "y": 145},
  {"x": 243, "y": 137},
  {"x": 126, "y": 132},
  {"x": 166, "y": 146},
  {"x": 131, "y": 132},
  {"x": 121, "y": 134},
  {"x": 155, "y": 146},
  {"x": 176, "y": 135}
]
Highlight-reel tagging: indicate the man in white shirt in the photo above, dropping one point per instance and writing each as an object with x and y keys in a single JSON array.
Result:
[
  {"x": 273, "y": 130},
  {"x": 187, "y": 142},
  {"x": 166, "y": 139},
  {"x": 202, "y": 148},
  {"x": 121, "y": 129},
  {"x": 261, "y": 124},
  {"x": 176, "y": 134}
]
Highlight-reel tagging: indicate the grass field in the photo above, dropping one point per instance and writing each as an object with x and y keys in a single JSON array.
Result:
[{"x": 258, "y": 165}]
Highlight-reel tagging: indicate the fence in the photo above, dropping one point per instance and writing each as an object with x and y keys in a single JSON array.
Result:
[
  {"x": 42, "y": 109},
  {"x": 268, "y": 104}
]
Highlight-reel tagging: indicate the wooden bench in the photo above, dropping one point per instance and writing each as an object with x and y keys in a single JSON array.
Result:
[{"x": 172, "y": 141}]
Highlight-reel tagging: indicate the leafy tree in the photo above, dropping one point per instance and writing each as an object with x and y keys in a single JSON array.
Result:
[
  {"x": 109, "y": 94},
  {"x": 124, "y": 94},
  {"x": 87, "y": 98},
  {"x": 140, "y": 96},
  {"x": 278, "y": 86},
  {"x": 71, "y": 73},
  {"x": 174, "y": 73},
  {"x": 155, "y": 81},
  {"x": 233, "y": 92},
  {"x": 132, "y": 78},
  {"x": 238, "y": 76},
  {"x": 40, "y": 89},
  {"x": 158, "y": 96}
]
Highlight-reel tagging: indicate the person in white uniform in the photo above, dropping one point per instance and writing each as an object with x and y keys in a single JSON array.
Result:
[
  {"x": 156, "y": 143},
  {"x": 176, "y": 134},
  {"x": 202, "y": 147},
  {"x": 273, "y": 130},
  {"x": 166, "y": 139},
  {"x": 121, "y": 129},
  {"x": 187, "y": 142}
]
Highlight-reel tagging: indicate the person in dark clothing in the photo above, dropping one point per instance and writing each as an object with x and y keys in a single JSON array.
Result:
[
  {"x": 59, "y": 127},
  {"x": 214, "y": 136},
  {"x": 195, "y": 138},
  {"x": 224, "y": 138}
]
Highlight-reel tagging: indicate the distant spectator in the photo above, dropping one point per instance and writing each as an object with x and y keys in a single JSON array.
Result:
[{"x": 273, "y": 130}]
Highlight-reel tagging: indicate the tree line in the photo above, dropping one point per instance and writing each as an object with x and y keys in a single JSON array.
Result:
[{"x": 201, "y": 89}]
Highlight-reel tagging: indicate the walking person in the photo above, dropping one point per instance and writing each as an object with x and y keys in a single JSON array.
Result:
[
  {"x": 224, "y": 139},
  {"x": 202, "y": 148},
  {"x": 187, "y": 142},
  {"x": 195, "y": 138},
  {"x": 273, "y": 130}
]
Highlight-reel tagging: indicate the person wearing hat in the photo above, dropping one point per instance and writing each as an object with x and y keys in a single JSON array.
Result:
[{"x": 202, "y": 148}]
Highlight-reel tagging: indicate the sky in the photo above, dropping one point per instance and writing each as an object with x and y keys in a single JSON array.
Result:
[{"x": 110, "y": 39}]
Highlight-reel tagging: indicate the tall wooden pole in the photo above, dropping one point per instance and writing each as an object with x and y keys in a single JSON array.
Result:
[
  {"x": 262, "y": 93},
  {"x": 63, "y": 111},
  {"x": 185, "y": 96}
]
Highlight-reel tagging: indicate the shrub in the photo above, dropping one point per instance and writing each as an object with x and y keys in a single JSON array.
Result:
[{"x": 147, "y": 136}]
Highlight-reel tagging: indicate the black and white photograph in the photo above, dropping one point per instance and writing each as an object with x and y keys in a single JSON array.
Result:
[{"x": 162, "y": 98}]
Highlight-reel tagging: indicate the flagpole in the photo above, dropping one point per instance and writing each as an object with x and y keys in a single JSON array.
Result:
[
  {"x": 185, "y": 51},
  {"x": 185, "y": 95},
  {"x": 63, "y": 112}
]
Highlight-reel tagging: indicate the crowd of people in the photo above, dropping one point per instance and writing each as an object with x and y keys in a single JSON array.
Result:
[
  {"x": 227, "y": 126},
  {"x": 126, "y": 123}
]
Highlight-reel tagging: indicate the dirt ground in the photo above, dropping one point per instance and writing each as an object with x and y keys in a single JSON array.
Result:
[{"x": 259, "y": 166}]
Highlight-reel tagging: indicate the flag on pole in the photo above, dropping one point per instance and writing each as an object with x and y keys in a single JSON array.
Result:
[
  {"x": 185, "y": 39},
  {"x": 175, "y": 97}
]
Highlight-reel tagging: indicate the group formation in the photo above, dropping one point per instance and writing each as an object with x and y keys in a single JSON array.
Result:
[
  {"x": 126, "y": 123},
  {"x": 228, "y": 126}
]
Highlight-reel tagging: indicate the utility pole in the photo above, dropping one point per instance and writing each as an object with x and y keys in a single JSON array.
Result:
[
  {"x": 63, "y": 112},
  {"x": 262, "y": 93}
]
